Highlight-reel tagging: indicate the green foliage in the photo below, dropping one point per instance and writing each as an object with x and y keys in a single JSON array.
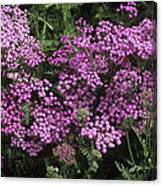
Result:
[
  {"x": 18, "y": 164},
  {"x": 26, "y": 118},
  {"x": 49, "y": 22},
  {"x": 91, "y": 158},
  {"x": 143, "y": 166},
  {"x": 82, "y": 115},
  {"x": 53, "y": 172},
  {"x": 68, "y": 21}
]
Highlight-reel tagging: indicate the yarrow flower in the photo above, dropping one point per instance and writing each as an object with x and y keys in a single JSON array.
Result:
[
  {"x": 130, "y": 7},
  {"x": 107, "y": 103},
  {"x": 94, "y": 48},
  {"x": 65, "y": 153},
  {"x": 33, "y": 115},
  {"x": 17, "y": 45},
  {"x": 99, "y": 87},
  {"x": 123, "y": 99}
]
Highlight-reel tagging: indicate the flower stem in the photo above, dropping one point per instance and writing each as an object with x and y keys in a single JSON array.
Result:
[{"x": 129, "y": 148}]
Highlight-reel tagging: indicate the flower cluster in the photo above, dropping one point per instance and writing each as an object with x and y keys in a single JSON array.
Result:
[
  {"x": 81, "y": 64},
  {"x": 123, "y": 95},
  {"x": 119, "y": 42},
  {"x": 90, "y": 52},
  {"x": 75, "y": 91},
  {"x": 61, "y": 55},
  {"x": 105, "y": 135},
  {"x": 122, "y": 100},
  {"x": 33, "y": 115},
  {"x": 66, "y": 153},
  {"x": 130, "y": 7},
  {"x": 107, "y": 103},
  {"x": 17, "y": 45}
]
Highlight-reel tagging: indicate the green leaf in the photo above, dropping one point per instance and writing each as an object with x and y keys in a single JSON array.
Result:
[{"x": 47, "y": 23}]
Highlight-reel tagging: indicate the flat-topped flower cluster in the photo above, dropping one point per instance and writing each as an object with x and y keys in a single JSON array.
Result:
[{"x": 18, "y": 46}]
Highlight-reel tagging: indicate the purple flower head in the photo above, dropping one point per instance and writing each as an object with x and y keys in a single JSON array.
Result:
[{"x": 65, "y": 153}]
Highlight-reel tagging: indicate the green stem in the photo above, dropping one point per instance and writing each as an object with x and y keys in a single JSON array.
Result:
[
  {"x": 138, "y": 137},
  {"x": 36, "y": 26},
  {"x": 129, "y": 148}
]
